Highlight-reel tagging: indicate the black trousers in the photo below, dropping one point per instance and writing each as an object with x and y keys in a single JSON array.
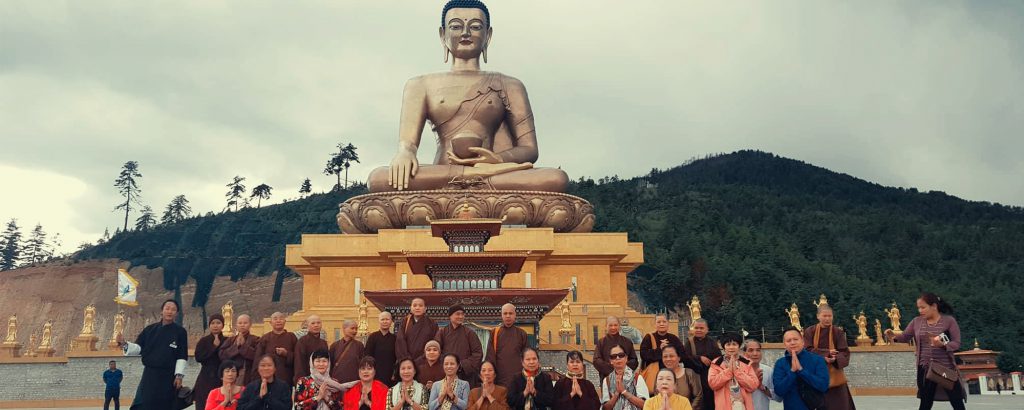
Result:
[
  {"x": 926, "y": 392},
  {"x": 156, "y": 390},
  {"x": 112, "y": 394}
]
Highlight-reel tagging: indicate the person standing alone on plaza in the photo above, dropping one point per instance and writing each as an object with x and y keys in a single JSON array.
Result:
[{"x": 112, "y": 378}]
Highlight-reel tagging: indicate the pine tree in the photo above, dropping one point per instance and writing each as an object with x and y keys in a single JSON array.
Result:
[
  {"x": 236, "y": 190},
  {"x": 341, "y": 161},
  {"x": 147, "y": 220},
  {"x": 305, "y": 189},
  {"x": 176, "y": 211},
  {"x": 10, "y": 246},
  {"x": 129, "y": 188},
  {"x": 261, "y": 192},
  {"x": 36, "y": 249}
]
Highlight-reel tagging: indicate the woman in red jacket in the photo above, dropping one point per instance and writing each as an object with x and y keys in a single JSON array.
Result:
[{"x": 369, "y": 393}]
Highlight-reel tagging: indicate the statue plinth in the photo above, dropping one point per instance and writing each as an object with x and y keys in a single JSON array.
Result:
[
  {"x": 369, "y": 213},
  {"x": 10, "y": 350},
  {"x": 45, "y": 351},
  {"x": 84, "y": 343},
  {"x": 863, "y": 342},
  {"x": 112, "y": 345}
]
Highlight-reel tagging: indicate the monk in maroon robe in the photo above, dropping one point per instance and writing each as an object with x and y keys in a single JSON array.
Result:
[
  {"x": 241, "y": 349},
  {"x": 307, "y": 344},
  {"x": 459, "y": 340},
  {"x": 414, "y": 332},
  {"x": 829, "y": 341},
  {"x": 345, "y": 354},
  {"x": 280, "y": 344},
  {"x": 604, "y": 346},
  {"x": 506, "y": 344}
]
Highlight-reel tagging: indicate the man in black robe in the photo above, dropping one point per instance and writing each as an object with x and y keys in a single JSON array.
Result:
[
  {"x": 381, "y": 346},
  {"x": 506, "y": 347},
  {"x": 164, "y": 350},
  {"x": 702, "y": 349}
]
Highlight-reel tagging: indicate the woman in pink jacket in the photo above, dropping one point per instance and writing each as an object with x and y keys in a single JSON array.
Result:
[{"x": 732, "y": 378}]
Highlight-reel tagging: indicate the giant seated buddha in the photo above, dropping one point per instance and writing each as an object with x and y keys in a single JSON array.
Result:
[{"x": 486, "y": 147}]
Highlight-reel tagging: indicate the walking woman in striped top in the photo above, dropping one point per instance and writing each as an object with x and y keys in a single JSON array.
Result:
[{"x": 937, "y": 336}]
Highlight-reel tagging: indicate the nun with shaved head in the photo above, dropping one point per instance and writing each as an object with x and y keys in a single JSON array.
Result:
[
  {"x": 280, "y": 345},
  {"x": 345, "y": 353}
]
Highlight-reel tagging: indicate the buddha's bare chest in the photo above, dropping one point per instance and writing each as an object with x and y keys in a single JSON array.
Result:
[{"x": 446, "y": 98}]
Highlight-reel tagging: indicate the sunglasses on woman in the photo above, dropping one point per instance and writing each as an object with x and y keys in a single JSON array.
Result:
[{"x": 617, "y": 356}]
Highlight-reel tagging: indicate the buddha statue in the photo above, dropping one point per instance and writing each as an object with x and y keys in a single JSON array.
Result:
[
  {"x": 694, "y": 306},
  {"x": 228, "y": 311},
  {"x": 12, "y": 330},
  {"x": 894, "y": 318},
  {"x": 794, "y": 316},
  {"x": 89, "y": 321},
  {"x": 483, "y": 120}
]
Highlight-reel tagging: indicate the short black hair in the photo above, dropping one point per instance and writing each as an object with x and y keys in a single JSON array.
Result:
[
  {"x": 368, "y": 361},
  {"x": 113, "y": 361},
  {"x": 465, "y": 4},
  {"x": 573, "y": 355},
  {"x": 320, "y": 354},
  {"x": 792, "y": 329},
  {"x": 731, "y": 337},
  {"x": 227, "y": 364},
  {"x": 522, "y": 354},
  {"x": 415, "y": 369},
  {"x": 175, "y": 302}
]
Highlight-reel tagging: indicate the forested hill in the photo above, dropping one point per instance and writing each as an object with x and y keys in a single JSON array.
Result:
[{"x": 749, "y": 232}]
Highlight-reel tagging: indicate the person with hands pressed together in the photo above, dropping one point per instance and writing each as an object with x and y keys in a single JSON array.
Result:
[
  {"x": 408, "y": 393},
  {"x": 665, "y": 397},
  {"x": 798, "y": 366},
  {"x": 766, "y": 392},
  {"x": 164, "y": 350},
  {"x": 369, "y": 393},
  {"x": 450, "y": 393},
  {"x": 241, "y": 349},
  {"x": 226, "y": 396},
  {"x": 531, "y": 388},
  {"x": 731, "y": 377},
  {"x": 319, "y": 391},
  {"x": 576, "y": 392},
  {"x": 488, "y": 396},
  {"x": 688, "y": 382},
  {"x": 207, "y": 353},
  {"x": 266, "y": 392},
  {"x": 622, "y": 389}
]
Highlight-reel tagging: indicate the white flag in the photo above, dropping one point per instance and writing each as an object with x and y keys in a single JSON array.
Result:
[{"x": 127, "y": 289}]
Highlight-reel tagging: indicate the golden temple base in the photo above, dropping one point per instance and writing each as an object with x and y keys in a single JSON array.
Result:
[
  {"x": 84, "y": 343},
  {"x": 336, "y": 268}
]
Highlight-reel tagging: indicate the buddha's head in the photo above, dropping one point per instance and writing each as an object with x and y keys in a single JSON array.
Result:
[{"x": 465, "y": 29}]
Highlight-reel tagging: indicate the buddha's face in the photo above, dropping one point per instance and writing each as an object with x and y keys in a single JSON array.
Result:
[{"x": 466, "y": 32}]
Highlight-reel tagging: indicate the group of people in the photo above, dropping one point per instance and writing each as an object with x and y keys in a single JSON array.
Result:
[{"x": 422, "y": 366}]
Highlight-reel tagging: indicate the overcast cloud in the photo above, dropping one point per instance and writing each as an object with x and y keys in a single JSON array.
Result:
[{"x": 928, "y": 94}]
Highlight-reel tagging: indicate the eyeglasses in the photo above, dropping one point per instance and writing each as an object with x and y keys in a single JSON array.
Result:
[{"x": 617, "y": 356}]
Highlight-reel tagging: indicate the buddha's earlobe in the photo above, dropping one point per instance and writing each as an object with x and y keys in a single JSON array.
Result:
[
  {"x": 485, "y": 55},
  {"x": 445, "y": 53}
]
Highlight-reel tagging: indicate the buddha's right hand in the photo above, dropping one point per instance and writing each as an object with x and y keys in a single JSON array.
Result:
[{"x": 402, "y": 169}]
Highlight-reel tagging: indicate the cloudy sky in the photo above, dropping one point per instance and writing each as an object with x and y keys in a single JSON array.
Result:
[{"x": 928, "y": 94}]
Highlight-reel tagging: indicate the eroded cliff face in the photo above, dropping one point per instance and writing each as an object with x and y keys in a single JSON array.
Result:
[{"x": 60, "y": 291}]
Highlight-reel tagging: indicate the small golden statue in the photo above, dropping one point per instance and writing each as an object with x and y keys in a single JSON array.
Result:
[
  {"x": 47, "y": 339},
  {"x": 894, "y": 317},
  {"x": 862, "y": 326},
  {"x": 694, "y": 306},
  {"x": 822, "y": 300},
  {"x": 12, "y": 330},
  {"x": 879, "y": 334},
  {"x": 363, "y": 325},
  {"x": 794, "y": 317},
  {"x": 118, "y": 327},
  {"x": 31, "y": 351},
  {"x": 566, "y": 324},
  {"x": 228, "y": 311},
  {"x": 89, "y": 323}
]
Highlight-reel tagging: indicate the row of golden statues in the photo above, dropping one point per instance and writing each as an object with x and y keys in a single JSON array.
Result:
[{"x": 793, "y": 313}]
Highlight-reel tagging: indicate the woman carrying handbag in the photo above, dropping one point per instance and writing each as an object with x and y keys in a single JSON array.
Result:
[{"x": 937, "y": 337}]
